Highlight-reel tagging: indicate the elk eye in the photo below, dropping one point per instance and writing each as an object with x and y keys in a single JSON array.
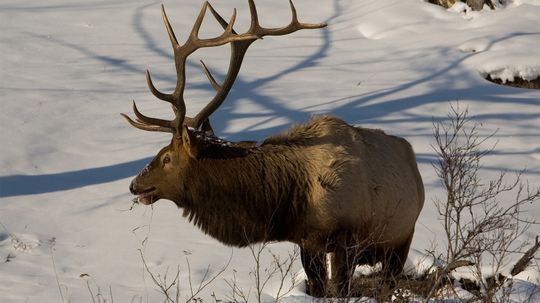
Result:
[{"x": 166, "y": 160}]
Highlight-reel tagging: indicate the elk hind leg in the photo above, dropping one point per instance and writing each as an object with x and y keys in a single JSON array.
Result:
[{"x": 395, "y": 260}]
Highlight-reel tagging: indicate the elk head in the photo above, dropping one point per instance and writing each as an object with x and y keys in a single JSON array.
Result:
[{"x": 163, "y": 176}]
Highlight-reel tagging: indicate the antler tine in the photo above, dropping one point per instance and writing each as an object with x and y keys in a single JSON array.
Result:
[
  {"x": 254, "y": 16},
  {"x": 228, "y": 36},
  {"x": 211, "y": 78},
  {"x": 198, "y": 22},
  {"x": 155, "y": 92},
  {"x": 292, "y": 27},
  {"x": 220, "y": 19},
  {"x": 148, "y": 120},
  {"x": 169, "y": 28},
  {"x": 293, "y": 12},
  {"x": 148, "y": 127},
  {"x": 297, "y": 25},
  {"x": 229, "y": 29}
]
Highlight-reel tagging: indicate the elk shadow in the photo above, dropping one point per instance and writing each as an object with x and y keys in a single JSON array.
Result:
[{"x": 18, "y": 185}]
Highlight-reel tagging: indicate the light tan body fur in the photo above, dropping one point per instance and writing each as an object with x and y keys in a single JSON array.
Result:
[{"x": 360, "y": 176}]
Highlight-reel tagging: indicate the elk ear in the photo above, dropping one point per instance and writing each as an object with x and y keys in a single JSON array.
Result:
[
  {"x": 207, "y": 128},
  {"x": 191, "y": 143}
]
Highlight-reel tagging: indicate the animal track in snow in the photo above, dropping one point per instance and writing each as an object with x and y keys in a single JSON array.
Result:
[{"x": 22, "y": 243}]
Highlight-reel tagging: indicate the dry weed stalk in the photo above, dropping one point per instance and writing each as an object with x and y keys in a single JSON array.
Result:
[
  {"x": 52, "y": 244},
  {"x": 99, "y": 297}
]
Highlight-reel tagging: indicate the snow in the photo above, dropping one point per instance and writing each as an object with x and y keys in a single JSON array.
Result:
[{"x": 68, "y": 68}]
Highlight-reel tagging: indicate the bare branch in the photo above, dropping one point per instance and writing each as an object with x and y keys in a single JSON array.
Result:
[{"x": 524, "y": 261}]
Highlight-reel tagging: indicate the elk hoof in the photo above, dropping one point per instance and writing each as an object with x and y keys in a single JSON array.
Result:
[{"x": 315, "y": 289}]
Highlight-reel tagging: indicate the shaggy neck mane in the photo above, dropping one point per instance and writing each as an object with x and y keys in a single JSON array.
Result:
[{"x": 243, "y": 193}]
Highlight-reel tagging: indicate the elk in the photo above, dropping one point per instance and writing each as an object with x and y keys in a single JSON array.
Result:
[{"x": 325, "y": 185}]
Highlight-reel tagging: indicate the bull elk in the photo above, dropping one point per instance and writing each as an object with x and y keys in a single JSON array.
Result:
[{"x": 325, "y": 185}]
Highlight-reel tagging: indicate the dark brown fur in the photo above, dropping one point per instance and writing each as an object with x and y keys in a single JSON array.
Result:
[{"x": 252, "y": 196}]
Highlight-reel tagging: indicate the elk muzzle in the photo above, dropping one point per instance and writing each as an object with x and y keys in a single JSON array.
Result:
[{"x": 145, "y": 196}]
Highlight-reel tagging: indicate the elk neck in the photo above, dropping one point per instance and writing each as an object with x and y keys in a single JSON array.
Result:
[{"x": 247, "y": 194}]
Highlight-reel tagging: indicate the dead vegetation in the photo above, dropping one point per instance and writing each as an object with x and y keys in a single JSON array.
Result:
[
  {"x": 517, "y": 82},
  {"x": 476, "y": 5}
]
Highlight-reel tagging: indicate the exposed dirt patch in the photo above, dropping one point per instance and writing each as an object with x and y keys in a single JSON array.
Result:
[
  {"x": 476, "y": 5},
  {"x": 518, "y": 82}
]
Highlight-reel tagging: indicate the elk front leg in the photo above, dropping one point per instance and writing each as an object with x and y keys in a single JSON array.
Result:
[
  {"x": 314, "y": 264},
  {"x": 344, "y": 261}
]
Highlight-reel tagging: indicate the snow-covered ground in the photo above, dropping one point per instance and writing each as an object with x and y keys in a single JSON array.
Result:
[{"x": 68, "y": 68}]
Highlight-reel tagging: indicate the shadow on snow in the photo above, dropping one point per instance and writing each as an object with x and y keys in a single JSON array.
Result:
[{"x": 18, "y": 185}]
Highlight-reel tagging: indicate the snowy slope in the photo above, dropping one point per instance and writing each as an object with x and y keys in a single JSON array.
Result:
[{"x": 68, "y": 68}]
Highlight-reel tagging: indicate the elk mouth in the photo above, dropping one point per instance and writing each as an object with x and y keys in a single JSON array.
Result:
[{"x": 146, "y": 197}]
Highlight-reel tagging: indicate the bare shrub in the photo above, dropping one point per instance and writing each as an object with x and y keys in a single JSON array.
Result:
[
  {"x": 483, "y": 220},
  {"x": 170, "y": 289},
  {"x": 279, "y": 270}
]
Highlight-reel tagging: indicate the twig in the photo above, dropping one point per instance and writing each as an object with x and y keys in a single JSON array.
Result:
[
  {"x": 203, "y": 284},
  {"x": 524, "y": 261},
  {"x": 52, "y": 242},
  {"x": 110, "y": 292},
  {"x": 165, "y": 287},
  {"x": 90, "y": 290},
  {"x": 159, "y": 284}
]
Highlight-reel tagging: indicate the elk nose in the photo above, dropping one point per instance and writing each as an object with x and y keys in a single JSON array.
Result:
[{"x": 132, "y": 188}]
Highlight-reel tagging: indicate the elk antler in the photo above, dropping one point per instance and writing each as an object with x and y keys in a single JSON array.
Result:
[{"x": 239, "y": 45}]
